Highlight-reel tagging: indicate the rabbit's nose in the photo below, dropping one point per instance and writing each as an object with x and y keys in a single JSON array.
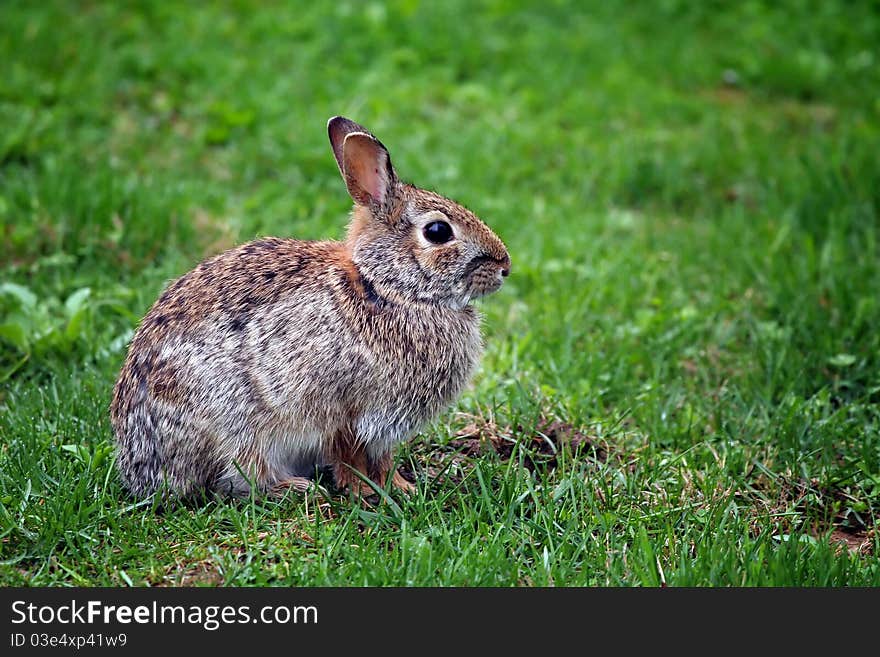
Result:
[{"x": 505, "y": 265}]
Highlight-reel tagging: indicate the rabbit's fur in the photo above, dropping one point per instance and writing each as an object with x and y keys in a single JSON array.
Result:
[{"x": 280, "y": 356}]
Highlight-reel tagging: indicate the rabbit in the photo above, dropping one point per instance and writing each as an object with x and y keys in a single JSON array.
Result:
[{"x": 282, "y": 357}]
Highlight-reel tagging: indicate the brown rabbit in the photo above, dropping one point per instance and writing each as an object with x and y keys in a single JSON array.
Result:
[{"x": 281, "y": 356}]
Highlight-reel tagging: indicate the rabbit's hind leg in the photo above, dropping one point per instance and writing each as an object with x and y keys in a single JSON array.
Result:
[
  {"x": 298, "y": 484},
  {"x": 161, "y": 450}
]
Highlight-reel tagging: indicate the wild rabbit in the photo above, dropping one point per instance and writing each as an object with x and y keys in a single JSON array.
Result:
[{"x": 282, "y": 356}]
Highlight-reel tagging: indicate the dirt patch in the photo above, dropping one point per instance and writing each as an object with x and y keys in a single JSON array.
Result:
[
  {"x": 198, "y": 573},
  {"x": 794, "y": 501},
  {"x": 857, "y": 542},
  {"x": 540, "y": 446}
]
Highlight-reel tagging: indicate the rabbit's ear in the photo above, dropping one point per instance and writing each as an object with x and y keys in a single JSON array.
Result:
[
  {"x": 367, "y": 169},
  {"x": 363, "y": 161},
  {"x": 338, "y": 128}
]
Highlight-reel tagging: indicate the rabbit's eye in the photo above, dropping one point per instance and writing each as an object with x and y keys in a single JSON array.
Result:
[{"x": 438, "y": 232}]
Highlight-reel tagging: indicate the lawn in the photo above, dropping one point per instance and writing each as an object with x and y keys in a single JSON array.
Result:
[{"x": 681, "y": 382}]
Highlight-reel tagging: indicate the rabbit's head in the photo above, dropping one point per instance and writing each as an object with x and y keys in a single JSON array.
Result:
[{"x": 410, "y": 244}]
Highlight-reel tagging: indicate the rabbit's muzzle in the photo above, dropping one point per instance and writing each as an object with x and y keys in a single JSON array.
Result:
[{"x": 485, "y": 274}]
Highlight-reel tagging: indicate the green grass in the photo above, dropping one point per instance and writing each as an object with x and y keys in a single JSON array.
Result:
[{"x": 690, "y": 195}]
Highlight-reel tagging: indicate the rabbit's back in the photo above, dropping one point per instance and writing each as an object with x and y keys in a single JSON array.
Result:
[{"x": 202, "y": 324}]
